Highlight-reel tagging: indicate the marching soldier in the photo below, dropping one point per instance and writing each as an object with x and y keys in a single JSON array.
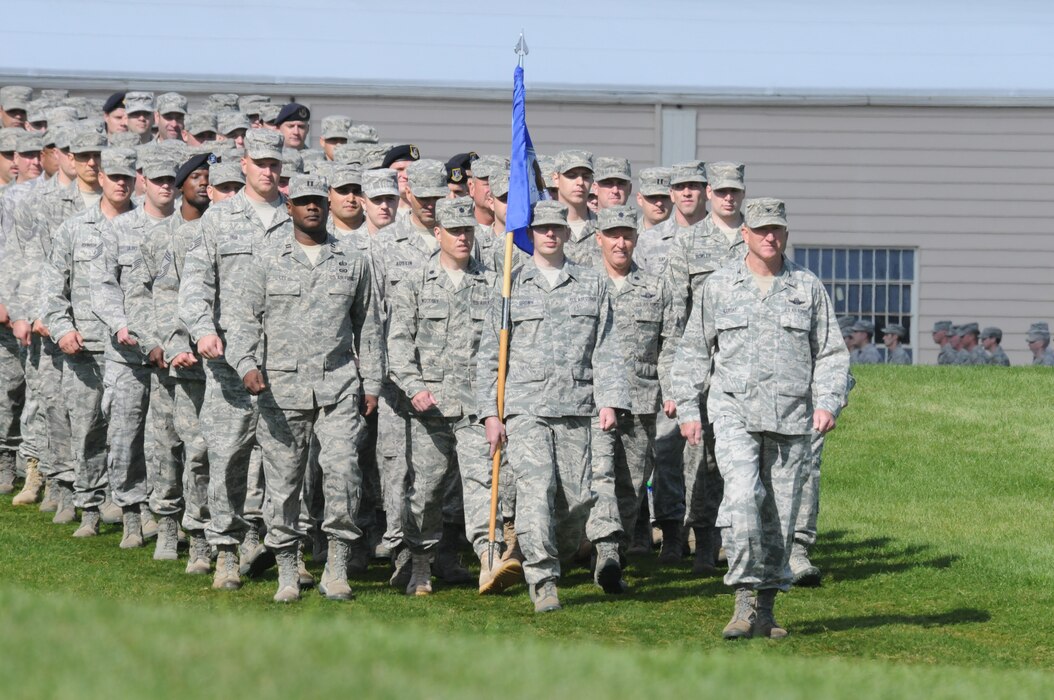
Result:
[
  {"x": 574, "y": 179},
  {"x": 991, "y": 339},
  {"x": 893, "y": 336}
]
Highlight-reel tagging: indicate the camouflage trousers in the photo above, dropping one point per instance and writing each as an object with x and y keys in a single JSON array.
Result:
[
  {"x": 228, "y": 423},
  {"x": 82, "y": 389},
  {"x": 393, "y": 428},
  {"x": 45, "y": 373},
  {"x": 550, "y": 463},
  {"x": 12, "y": 391},
  {"x": 126, "y": 398},
  {"x": 442, "y": 449},
  {"x": 622, "y": 464},
  {"x": 313, "y": 499},
  {"x": 285, "y": 440},
  {"x": 805, "y": 527},
  {"x": 189, "y": 397},
  {"x": 703, "y": 486},
  {"x": 763, "y": 479},
  {"x": 166, "y": 459},
  {"x": 32, "y": 424},
  {"x": 254, "y": 487},
  {"x": 668, "y": 477}
]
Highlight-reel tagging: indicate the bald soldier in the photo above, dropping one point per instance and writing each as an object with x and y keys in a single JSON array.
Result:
[{"x": 765, "y": 405}]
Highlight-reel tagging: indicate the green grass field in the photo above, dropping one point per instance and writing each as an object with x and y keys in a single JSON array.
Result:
[{"x": 937, "y": 546}]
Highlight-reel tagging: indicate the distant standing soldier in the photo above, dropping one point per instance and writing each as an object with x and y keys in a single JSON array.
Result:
[
  {"x": 1038, "y": 338},
  {"x": 942, "y": 336},
  {"x": 991, "y": 339},
  {"x": 893, "y": 336},
  {"x": 973, "y": 353},
  {"x": 865, "y": 352}
]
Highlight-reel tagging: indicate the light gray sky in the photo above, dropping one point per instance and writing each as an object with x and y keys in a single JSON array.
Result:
[{"x": 972, "y": 46}]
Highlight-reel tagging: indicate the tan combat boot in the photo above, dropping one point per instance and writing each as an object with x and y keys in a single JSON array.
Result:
[
  {"x": 198, "y": 563},
  {"x": 334, "y": 582},
  {"x": 226, "y": 577},
  {"x": 305, "y": 577},
  {"x": 545, "y": 597},
  {"x": 133, "y": 529},
  {"x": 741, "y": 625},
  {"x": 167, "y": 539},
  {"x": 48, "y": 502},
  {"x": 89, "y": 523},
  {"x": 765, "y": 624},
  {"x": 65, "y": 511},
  {"x": 288, "y": 577},
  {"x": 34, "y": 483}
]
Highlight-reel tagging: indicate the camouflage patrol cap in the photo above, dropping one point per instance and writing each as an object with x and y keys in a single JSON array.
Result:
[
  {"x": 846, "y": 321},
  {"x": 138, "y": 102},
  {"x": 654, "y": 182},
  {"x": 263, "y": 143},
  {"x": 85, "y": 140},
  {"x": 292, "y": 162},
  {"x": 38, "y": 111},
  {"x": 229, "y": 122},
  {"x": 179, "y": 150},
  {"x": 863, "y": 326},
  {"x": 726, "y": 176},
  {"x": 9, "y": 138},
  {"x": 200, "y": 123},
  {"x": 573, "y": 158},
  {"x": 362, "y": 133},
  {"x": 159, "y": 165},
  {"x": 896, "y": 329},
  {"x": 373, "y": 157},
  {"x": 335, "y": 126},
  {"x": 220, "y": 101},
  {"x": 847, "y": 332},
  {"x": 456, "y": 213},
  {"x": 341, "y": 175},
  {"x": 970, "y": 328},
  {"x": 62, "y": 114},
  {"x": 55, "y": 94},
  {"x": 499, "y": 183},
  {"x": 28, "y": 142},
  {"x": 427, "y": 178},
  {"x": 1038, "y": 331},
  {"x": 688, "y": 171},
  {"x": 621, "y": 216},
  {"x": 349, "y": 153},
  {"x": 59, "y": 136},
  {"x": 118, "y": 161},
  {"x": 96, "y": 123},
  {"x": 485, "y": 166},
  {"x": 945, "y": 326},
  {"x": 992, "y": 332},
  {"x": 547, "y": 164},
  {"x": 15, "y": 97},
  {"x": 956, "y": 331},
  {"x": 222, "y": 173},
  {"x": 307, "y": 186},
  {"x": 380, "y": 182},
  {"x": 612, "y": 169},
  {"x": 764, "y": 211},
  {"x": 269, "y": 112},
  {"x": 225, "y": 150},
  {"x": 170, "y": 102},
  {"x": 548, "y": 212},
  {"x": 250, "y": 104}
]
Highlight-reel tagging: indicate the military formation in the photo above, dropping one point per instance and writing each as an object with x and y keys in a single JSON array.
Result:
[{"x": 269, "y": 353}]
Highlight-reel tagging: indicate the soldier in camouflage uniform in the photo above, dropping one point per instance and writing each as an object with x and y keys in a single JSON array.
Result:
[
  {"x": 574, "y": 180},
  {"x": 14, "y": 105},
  {"x": 942, "y": 336},
  {"x": 12, "y": 376},
  {"x": 345, "y": 203},
  {"x": 1038, "y": 338},
  {"x": 864, "y": 352},
  {"x": 991, "y": 339},
  {"x": 653, "y": 198},
  {"x": 80, "y": 334},
  {"x": 622, "y": 458},
  {"x": 565, "y": 367},
  {"x": 893, "y": 336},
  {"x": 955, "y": 340},
  {"x": 436, "y": 321},
  {"x": 613, "y": 182},
  {"x": 779, "y": 373},
  {"x": 973, "y": 353},
  {"x": 305, "y": 284},
  {"x": 216, "y": 263}
]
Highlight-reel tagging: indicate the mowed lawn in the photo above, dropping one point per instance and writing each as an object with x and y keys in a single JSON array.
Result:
[{"x": 937, "y": 546}]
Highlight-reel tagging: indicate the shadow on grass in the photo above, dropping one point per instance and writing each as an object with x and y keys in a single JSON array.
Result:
[
  {"x": 959, "y": 616},
  {"x": 844, "y": 558}
]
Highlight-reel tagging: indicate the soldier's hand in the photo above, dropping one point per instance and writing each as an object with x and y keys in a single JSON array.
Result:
[
  {"x": 156, "y": 357},
  {"x": 670, "y": 409},
  {"x": 22, "y": 331},
  {"x": 71, "y": 343},
  {"x": 423, "y": 401},
  {"x": 692, "y": 432},
  {"x": 254, "y": 382},
  {"x": 4, "y": 318},
  {"x": 40, "y": 329},
  {"x": 495, "y": 433},
  {"x": 369, "y": 405},
  {"x": 184, "y": 359},
  {"x": 210, "y": 347},
  {"x": 124, "y": 337},
  {"x": 608, "y": 419},
  {"x": 822, "y": 421}
]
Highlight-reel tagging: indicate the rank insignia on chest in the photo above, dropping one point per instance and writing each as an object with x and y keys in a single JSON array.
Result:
[{"x": 797, "y": 302}]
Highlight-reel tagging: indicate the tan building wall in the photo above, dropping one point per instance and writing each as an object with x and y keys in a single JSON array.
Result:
[{"x": 968, "y": 186}]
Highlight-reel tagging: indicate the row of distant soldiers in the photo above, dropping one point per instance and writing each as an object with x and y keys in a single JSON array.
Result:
[
  {"x": 966, "y": 344},
  {"x": 154, "y": 370}
]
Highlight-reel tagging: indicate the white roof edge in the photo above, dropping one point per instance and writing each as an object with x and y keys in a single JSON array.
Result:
[{"x": 605, "y": 94}]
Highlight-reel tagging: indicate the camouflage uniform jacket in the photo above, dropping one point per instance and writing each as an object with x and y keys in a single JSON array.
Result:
[
  {"x": 652, "y": 253},
  {"x": 304, "y": 325},
  {"x": 899, "y": 356},
  {"x": 75, "y": 258},
  {"x": 564, "y": 359},
  {"x": 947, "y": 355},
  {"x": 976, "y": 356},
  {"x": 644, "y": 322},
  {"x": 776, "y": 357},
  {"x": 217, "y": 261},
  {"x": 397, "y": 253},
  {"x": 582, "y": 248},
  {"x": 867, "y": 355},
  {"x": 998, "y": 357},
  {"x": 1046, "y": 359},
  {"x": 696, "y": 253},
  {"x": 434, "y": 334}
]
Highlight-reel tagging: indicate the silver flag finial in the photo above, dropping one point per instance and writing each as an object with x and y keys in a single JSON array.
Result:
[{"x": 521, "y": 46}]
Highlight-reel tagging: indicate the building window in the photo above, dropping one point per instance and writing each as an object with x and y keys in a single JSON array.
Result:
[{"x": 874, "y": 284}]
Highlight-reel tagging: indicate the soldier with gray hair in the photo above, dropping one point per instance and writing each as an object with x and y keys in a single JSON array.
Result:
[{"x": 778, "y": 374}]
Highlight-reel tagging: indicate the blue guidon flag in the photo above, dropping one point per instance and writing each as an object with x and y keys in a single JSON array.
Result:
[{"x": 523, "y": 187}]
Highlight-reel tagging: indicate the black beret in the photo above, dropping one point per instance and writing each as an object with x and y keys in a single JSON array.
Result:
[
  {"x": 293, "y": 112},
  {"x": 202, "y": 160},
  {"x": 114, "y": 101},
  {"x": 405, "y": 152},
  {"x": 457, "y": 167}
]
